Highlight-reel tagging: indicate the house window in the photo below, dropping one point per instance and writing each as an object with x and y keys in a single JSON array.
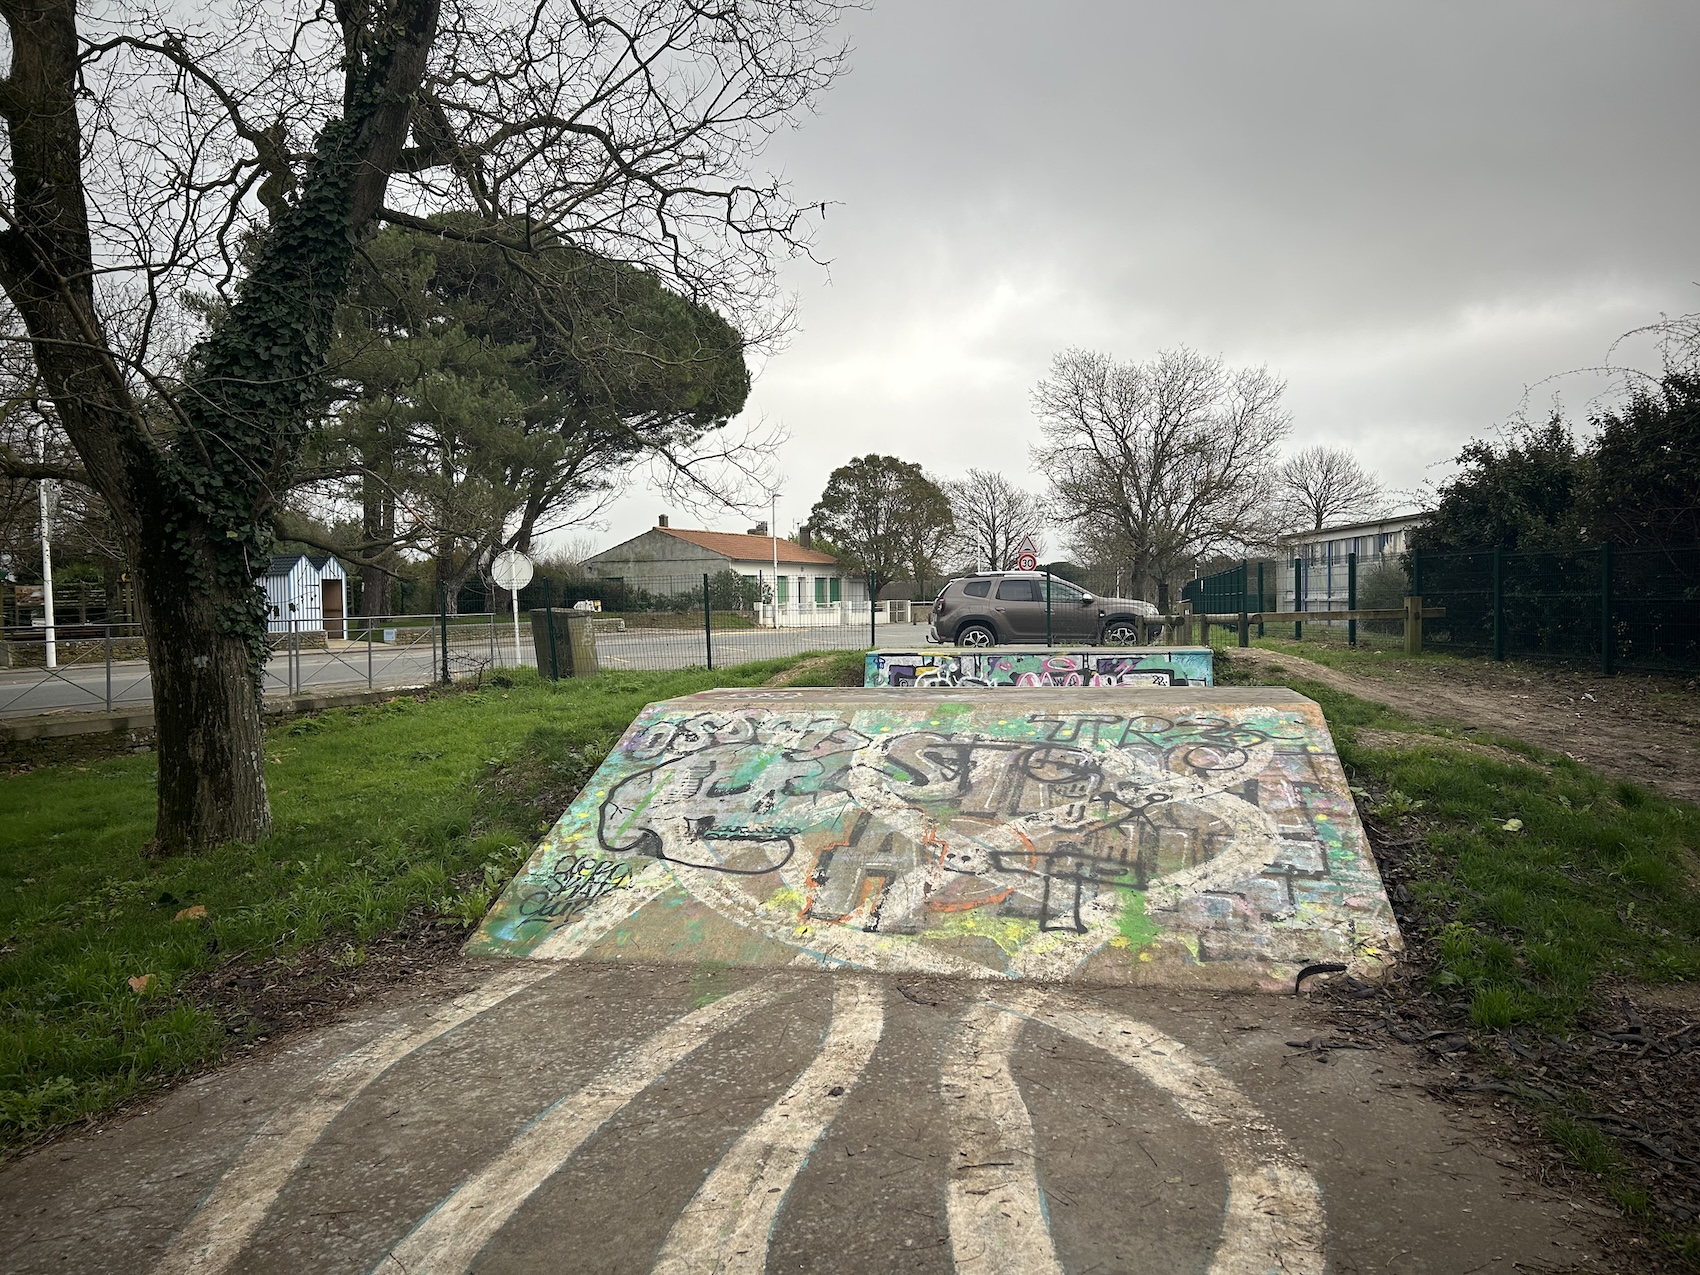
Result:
[
  {"x": 834, "y": 586},
  {"x": 820, "y": 591},
  {"x": 784, "y": 590}
]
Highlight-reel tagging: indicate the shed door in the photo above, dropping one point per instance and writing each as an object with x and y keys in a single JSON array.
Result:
[{"x": 331, "y": 609}]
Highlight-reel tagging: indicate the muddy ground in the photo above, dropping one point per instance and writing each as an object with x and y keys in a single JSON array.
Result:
[{"x": 1640, "y": 727}]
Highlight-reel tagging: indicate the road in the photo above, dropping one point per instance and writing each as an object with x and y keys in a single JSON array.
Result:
[
  {"x": 84, "y": 687},
  {"x": 535, "y": 1117}
]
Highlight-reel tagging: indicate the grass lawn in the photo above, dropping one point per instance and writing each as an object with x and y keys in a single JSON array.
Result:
[
  {"x": 378, "y": 812},
  {"x": 1549, "y": 876}
]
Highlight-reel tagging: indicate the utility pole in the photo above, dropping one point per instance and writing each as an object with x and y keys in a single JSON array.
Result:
[
  {"x": 773, "y": 531},
  {"x": 45, "y": 489}
]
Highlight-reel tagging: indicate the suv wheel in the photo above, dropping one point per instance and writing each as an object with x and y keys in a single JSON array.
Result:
[
  {"x": 1122, "y": 633},
  {"x": 976, "y": 635}
]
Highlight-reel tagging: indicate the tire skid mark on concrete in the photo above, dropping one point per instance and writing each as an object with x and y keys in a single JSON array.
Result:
[
  {"x": 1274, "y": 1220},
  {"x": 724, "y": 1229},
  {"x": 238, "y": 1203},
  {"x": 448, "y": 1240},
  {"x": 995, "y": 1209}
]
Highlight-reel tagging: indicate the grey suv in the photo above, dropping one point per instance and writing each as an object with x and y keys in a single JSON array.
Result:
[{"x": 1009, "y": 606}]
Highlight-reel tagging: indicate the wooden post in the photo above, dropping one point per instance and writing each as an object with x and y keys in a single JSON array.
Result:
[
  {"x": 1413, "y": 624},
  {"x": 1260, "y": 606}
]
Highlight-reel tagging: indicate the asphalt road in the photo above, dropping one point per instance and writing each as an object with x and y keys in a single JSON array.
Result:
[
  {"x": 84, "y": 687},
  {"x": 534, "y": 1117}
]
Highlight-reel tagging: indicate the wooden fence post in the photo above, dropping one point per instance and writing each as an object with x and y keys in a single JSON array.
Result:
[{"x": 1413, "y": 624}]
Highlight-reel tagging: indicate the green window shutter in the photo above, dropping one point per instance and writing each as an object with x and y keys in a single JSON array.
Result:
[
  {"x": 784, "y": 582},
  {"x": 834, "y": 585},
  {"x": 820, "y": 591}
]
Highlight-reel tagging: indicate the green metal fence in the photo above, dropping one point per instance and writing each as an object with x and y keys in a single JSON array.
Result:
[
  {"x": 1606, "y": 605},
  {"x": 1611, "y": 606}
]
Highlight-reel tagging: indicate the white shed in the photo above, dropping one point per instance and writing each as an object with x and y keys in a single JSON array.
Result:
[{"x": 308, "y": 589}]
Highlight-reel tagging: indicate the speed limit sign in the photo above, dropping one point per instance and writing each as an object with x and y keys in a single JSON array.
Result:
[{"x": 1027, "y": 562}]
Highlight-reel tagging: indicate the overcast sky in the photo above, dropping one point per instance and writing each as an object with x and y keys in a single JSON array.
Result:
[{"x": 1412, "y": 212}]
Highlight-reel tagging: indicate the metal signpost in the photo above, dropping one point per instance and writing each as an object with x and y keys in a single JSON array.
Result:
[
  {"x": 512, "y": 571},
  {"x": 1027, "y": 555}
]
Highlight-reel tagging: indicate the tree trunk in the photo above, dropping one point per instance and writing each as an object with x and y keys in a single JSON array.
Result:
[
  {"x": 194, "y": 515},
  {"x": 212, "y": 780}
]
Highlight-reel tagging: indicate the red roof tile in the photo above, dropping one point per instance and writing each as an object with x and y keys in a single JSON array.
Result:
[{"x": 744, "y": 548}]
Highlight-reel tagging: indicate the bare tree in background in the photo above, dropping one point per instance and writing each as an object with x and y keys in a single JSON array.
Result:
[
  {"x": 182, "y": 198},
  {"x": 992, "y": 517},
  {"x": 1159, "y": 464},
  {"x": 1323, "y": 485}
]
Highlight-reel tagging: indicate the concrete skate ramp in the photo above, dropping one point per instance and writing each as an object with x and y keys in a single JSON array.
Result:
[
  {"x": 1041, "y": 666},
  {"x": 1182, "y": 837}
]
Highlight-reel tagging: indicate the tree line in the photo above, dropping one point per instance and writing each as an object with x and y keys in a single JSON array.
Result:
[{"x": 1152, "y": 468}]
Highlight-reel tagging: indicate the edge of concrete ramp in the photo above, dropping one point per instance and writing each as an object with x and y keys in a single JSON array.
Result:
[{"x": 1201, "y": 837}]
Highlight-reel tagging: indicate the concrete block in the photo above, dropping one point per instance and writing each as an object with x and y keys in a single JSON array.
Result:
[
  {"x": 993, "y": 666},
  {"x": 1173, "y": 836}
]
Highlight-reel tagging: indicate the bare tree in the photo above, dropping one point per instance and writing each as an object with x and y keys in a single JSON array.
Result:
[
  {"x": 1321, "y": 485},
  {"x": 992, "y": 515},
  {"x": 1159, "y": 464},
  {"x": 182, "y": 201}
]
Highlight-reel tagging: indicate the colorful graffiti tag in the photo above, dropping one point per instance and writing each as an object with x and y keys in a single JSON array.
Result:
[
  {"x": 1179, "y": 836},
  {"x": 1027, "y": 666}
]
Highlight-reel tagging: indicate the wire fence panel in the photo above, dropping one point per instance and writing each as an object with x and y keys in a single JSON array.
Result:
[
  {"x": 1635, "y": 608},
  {"x": 1613, "y": 607},
  {"x": 86, "y": 667}
]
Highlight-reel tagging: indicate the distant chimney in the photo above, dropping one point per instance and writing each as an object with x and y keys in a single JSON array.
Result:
[
  {"x": 661, "y": 521},
  {"x": 806, "y": 538},
  {"x": 760, "y": 529}
]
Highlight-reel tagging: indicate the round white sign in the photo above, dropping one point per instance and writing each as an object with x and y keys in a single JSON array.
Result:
[
  {"x": 511, "y": 569},
  {"x": 1026, "y": 562}
]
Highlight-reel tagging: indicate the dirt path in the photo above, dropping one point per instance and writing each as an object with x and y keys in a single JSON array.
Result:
[{"x": 1637, "y": 728}]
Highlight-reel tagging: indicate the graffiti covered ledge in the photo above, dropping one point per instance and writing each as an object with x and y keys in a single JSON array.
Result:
[{"x": 1183, "y": 837}]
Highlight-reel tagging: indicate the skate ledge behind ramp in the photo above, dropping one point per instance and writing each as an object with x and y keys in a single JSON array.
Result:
[
  {"x": 1063, "y": 665},
  {"x": 1184, "y": 837}
]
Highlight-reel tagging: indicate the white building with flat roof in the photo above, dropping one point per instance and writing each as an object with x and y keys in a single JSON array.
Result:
[{"x": 1325, "y": 555}]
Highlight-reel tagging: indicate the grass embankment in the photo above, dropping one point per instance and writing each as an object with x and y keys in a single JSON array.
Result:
[
  {"x": 1550, "y": 877},
  {"x": 414, "y": 808},
  {"x": 1540, "y": 890}
]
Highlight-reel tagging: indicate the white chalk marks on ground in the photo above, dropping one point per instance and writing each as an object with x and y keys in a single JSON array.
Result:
[
  {"x": 724, "y": 1229},
  {"x": 233, "y": 1211},
  {"x": 993, "y": 1190},
  {"x": 448, "y": 1240},
  {"x": 1273, "y": 1220}
]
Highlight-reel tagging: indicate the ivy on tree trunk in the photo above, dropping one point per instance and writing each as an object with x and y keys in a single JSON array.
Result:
[{"x": 191, "y": 469}]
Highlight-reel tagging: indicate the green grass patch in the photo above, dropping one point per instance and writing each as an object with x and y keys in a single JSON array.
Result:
[
  {"x": 1540, "y": 877},
  {"x": 378, "y": 811}
]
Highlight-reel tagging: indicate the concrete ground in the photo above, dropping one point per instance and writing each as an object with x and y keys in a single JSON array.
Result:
[{"x": 537, "y": 1116}]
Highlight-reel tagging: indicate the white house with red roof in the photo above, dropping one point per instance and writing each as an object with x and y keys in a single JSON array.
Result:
[{"x": 802, "y": 584}]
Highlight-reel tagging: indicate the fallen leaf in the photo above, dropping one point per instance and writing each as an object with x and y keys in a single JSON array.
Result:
[
  {"x": 1512, "y": 825},
  {"x": 141, "y": 983},
  {"x": 191, "y": 914}
]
